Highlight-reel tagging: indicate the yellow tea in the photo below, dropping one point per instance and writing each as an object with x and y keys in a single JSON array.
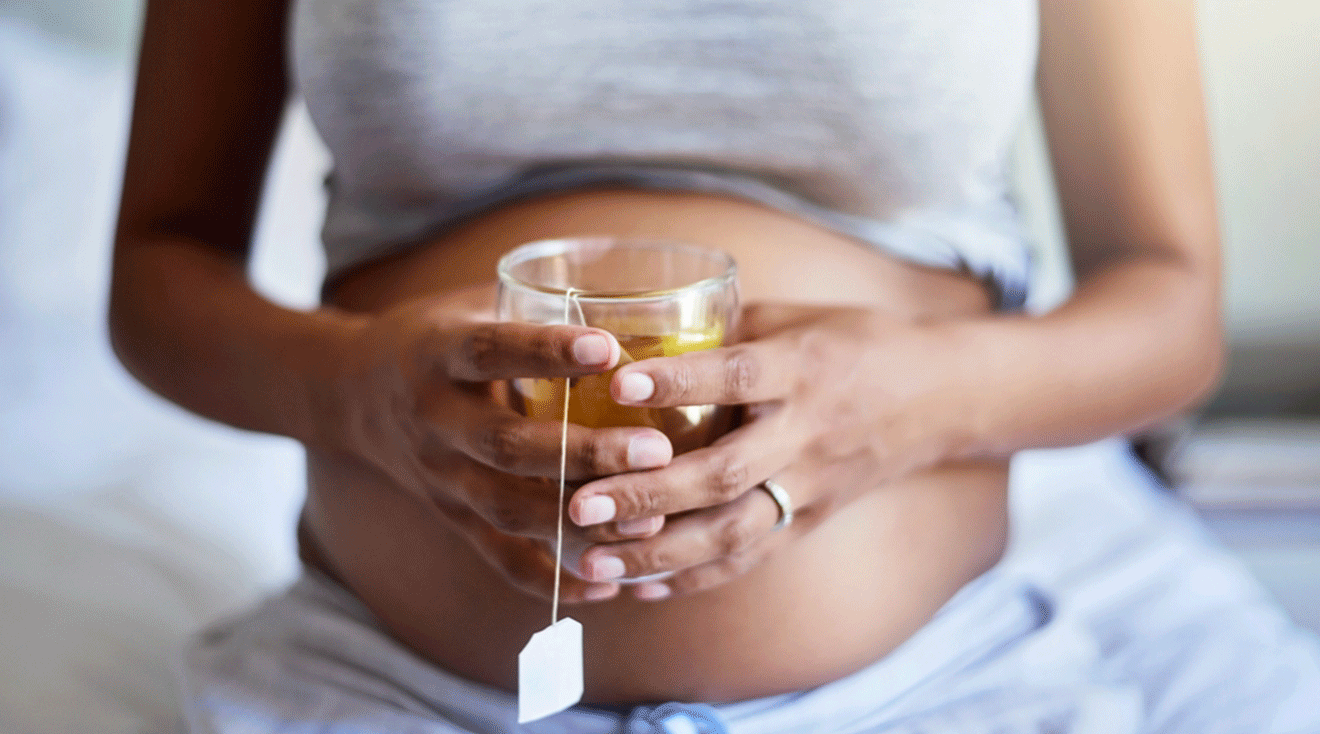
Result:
[{"x": 590, "y": 403}]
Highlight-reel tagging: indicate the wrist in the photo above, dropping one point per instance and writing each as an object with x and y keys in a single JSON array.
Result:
[
  {"x": 959, "y": 384},
  {"x": 328, "y": 392}
]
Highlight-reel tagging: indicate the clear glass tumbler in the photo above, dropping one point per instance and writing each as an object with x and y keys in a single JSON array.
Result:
[{"x": 658, "y": 298}]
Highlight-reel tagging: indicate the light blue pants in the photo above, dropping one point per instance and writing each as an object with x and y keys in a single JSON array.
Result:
[{"x": 1116, "y": 614}]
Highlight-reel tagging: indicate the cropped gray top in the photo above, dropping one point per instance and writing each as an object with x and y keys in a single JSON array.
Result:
[{"x": 886, "y": 120}]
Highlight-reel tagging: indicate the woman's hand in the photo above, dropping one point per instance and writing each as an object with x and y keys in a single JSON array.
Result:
[
  {"x": 840, "y": 401},
  {"x": 415, "y": 398}
]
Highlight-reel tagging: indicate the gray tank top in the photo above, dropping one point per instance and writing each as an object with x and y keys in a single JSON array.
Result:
[{"x": 887, "y": 120}]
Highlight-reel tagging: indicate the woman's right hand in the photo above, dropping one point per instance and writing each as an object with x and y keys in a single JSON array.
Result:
[{"x": 416, "y": 397}]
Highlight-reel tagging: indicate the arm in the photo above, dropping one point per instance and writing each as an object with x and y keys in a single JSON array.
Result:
[
  {"x": 401, "y": 391},
  {"x": 183, "y": 318},
  {"x": 847, "y": 398},
  {"x": 1140, "y": 338}
]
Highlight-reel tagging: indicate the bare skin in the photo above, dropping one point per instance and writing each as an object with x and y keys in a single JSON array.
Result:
[
  {"x": 877, "y": 572},
  {"x": 897, "y": 463}
]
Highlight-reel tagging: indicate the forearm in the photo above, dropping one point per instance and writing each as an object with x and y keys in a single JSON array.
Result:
[
  {"x": 1139, "y": 341},
  {"x": 185, "y": 321}
]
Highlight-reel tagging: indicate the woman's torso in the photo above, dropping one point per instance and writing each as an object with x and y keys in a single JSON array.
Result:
[
  {"x": 817, "y": 609},
  {"x": 885, "y": 123}
]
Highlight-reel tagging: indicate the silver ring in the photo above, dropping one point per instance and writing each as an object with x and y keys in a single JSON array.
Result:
[{"x": 781, "y": 498}]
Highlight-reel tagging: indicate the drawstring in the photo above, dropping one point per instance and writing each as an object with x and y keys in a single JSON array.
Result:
[{"x": 674, "y": 718}]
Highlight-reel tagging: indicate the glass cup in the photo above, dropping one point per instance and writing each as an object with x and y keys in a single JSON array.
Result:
[{"x": 658, "y": 298}]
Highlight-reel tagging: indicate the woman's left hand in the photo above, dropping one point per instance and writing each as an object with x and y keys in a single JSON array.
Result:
[{"x": 839, "y": 400}]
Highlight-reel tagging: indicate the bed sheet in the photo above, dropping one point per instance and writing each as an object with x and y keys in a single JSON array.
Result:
[{"x": 125, "y": 523}]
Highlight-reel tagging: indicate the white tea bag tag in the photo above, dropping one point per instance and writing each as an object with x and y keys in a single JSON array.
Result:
[{"x": 550, "y": 671}]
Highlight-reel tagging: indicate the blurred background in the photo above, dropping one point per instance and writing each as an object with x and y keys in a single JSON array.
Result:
[{"x": 187, "y": 520}]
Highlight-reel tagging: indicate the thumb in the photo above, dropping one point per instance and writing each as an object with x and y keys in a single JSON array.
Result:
[{"x": 765, "y": 318}]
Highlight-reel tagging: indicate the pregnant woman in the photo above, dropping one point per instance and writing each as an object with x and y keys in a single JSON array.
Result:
[{"x": 850, "y": 156}]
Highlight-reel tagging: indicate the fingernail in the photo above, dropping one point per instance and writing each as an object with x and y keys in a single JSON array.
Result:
[
  {"x": 635, "y": 387},
  {"x": 600, "y": 592},
  {"x": 651, "y": 591},
  {"x": 591, "y": 349},
  {"x": 605, "y": 568},
  {"x": 649, "y": 452},
  {"x": 595, "y": 510},
  {"x": 641, "y": 526}
]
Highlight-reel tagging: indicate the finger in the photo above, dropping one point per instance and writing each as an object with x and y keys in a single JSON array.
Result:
[
  {"x": 500, "y": 438},
  {"x": 612, "y": 532},
  {"x": 744, "y": 373},
  {"x": 758, "y": 320},
  {"x": 526, "y": 564},
  {"x": 701, "y": 478},
  {"x": 689, "y": 540},
  {"x": 505, "y": 350},
  {"x": 520, "y": 506},
  {"x": 705, "y": 576}
]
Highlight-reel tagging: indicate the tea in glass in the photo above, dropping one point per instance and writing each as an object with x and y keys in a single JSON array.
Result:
[{"x": 659, "y": 299}]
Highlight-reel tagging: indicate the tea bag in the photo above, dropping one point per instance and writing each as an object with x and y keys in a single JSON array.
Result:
[
  {"x": 550, "y": 666},
  {"x": 550, "y": 671}
]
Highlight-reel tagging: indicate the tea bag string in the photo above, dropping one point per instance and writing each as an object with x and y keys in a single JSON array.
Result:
[{"x": 570, "y": 296}]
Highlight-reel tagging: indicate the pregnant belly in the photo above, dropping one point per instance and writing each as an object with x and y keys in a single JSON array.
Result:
[{"x": 819, "y": 608}]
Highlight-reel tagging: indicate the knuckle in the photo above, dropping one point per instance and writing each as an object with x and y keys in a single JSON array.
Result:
[
  {"x": 728, "y": 477},
  {"x": 814, "y": 347},
  {"x": 681, "y": 382},
  {"x": 510, "y": 518},
  {"x": 742, "y": 371},
  {"x": 656, "y": 560},
  {"x": 737, "y": 536},
  {"x": 503, "y": 444},
  {"x": 642, "y": 501},
  {"x": 753, "y": 315},
  {"x": 739, "y": 563},
  {"x": 595, "y": 456},
  {"x": 481, "y": 348},
  {"x": 547, "y": 348},
  {"x": 823, "y": 354},
  {"x": 698, "y": 579}
]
